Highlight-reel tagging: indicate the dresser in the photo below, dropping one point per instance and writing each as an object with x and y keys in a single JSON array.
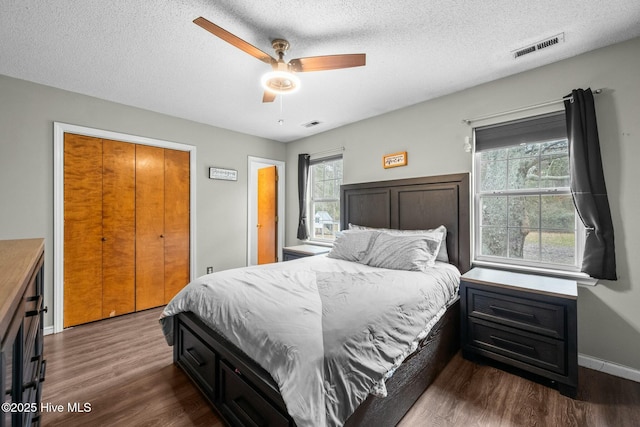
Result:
[
  {"x": 22, "y": 367},
  {"x": 523, "y": 321},
  {"x": 301, "y": 251}
]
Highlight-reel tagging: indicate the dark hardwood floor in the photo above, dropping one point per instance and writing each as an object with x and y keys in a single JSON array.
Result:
[{"x": 123, "y": 368}]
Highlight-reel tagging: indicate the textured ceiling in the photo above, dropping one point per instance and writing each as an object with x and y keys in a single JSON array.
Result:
[{"x": 149, "y": 54}]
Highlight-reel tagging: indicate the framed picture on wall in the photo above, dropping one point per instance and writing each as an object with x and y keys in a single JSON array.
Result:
[
  {"x": 394, "y": 160},
  {"x": 223, "y": 174}
]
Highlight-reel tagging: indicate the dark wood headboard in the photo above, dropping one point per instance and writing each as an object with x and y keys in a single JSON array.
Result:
[{"x": 414, "y": 204}]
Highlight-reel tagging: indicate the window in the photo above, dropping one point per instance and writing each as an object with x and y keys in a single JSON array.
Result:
[
  {"x": 325, "y": 176},
  {"x": 524, "y": 212}
]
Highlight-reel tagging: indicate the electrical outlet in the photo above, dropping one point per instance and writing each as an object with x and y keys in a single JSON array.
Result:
[{"x": 209, "y": 270}]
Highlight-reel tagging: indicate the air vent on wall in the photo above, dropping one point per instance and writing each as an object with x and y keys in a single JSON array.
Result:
[
  {"x": 543, "y": 44},
  {"x": 311, "y": 124}
]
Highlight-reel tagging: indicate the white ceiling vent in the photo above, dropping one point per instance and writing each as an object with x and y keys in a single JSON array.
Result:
[
  {"x": 542, "y": 44},
  {"x": 311, "y": 124}
]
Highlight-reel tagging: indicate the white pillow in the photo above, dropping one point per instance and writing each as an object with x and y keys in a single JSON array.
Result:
[
  {"x": 402, "y": 252},
  {"x": 434, "y": 233},
  {"x": 351, "y": 245}
]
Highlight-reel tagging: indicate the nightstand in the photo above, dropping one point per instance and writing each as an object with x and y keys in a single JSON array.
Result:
[
  {"x": 301, "y": 251},
  {"x": 522, "y": 320}
]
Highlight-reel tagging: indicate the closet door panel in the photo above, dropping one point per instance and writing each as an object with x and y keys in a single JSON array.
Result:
[
  {"x": 118, "y": 222},
  {"x": 176, "y": 222},
  {"x": 149, "y": 227},
  {"x": 82, "y": 229}
]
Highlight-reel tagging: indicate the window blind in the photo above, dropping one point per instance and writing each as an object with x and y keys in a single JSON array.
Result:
[{"x": 545, "y": 127}]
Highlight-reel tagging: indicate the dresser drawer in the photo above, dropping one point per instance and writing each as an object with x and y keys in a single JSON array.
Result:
[
  {"x": 245, "y": 404},
  {"x": 198, "y": 359},
  {"x": 543, "y": 352},
  {"x": 523, "y": 313}
]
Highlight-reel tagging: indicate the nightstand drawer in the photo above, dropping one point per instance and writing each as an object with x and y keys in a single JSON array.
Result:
[
  {"x": 288, "y": 256},
  {"x": 536, "y": 350},
  {"x": 523, "y": 313}
]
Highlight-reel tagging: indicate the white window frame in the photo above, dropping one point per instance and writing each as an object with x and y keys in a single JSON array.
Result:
[
  {"x": 311, "y": 201},
  {"x": 515, "y": 263}
]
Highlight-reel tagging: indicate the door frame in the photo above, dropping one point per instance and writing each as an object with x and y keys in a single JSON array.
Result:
[
  {"x": 253, "y": 164},
  {"x": 59, "y": 129}
]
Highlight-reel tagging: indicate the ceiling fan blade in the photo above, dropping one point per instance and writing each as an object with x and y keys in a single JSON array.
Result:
[
  {"x": 329, "y": 62},
  {"x": 268, "y": 96},
  {"x": 234, "y": 40}
]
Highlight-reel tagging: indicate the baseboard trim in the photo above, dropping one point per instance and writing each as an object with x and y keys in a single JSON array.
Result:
[
  {"x": 47, "y": 330},
  {"x": 609, "y": 367}
]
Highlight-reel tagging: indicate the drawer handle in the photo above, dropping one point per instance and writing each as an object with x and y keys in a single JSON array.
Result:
[
  {"x": 32, "y": 313},
  {"x": 514, "y": 344},
  {"x": 248, "y": 412},
  {"x": 514, "y": 312},
  {"x": 195, "y": 357},
  {"x": 40, "y": 372},
  {"x": 38, "y": 309},
  {"x": 43, "y": 370}
]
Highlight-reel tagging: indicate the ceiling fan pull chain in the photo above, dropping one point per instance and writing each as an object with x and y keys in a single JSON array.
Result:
[{"x": 281, "y": 120}]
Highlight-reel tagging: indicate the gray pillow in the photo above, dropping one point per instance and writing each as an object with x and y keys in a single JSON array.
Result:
[
  {"x": 351, "y": 245},
  {"x": 443, "y": 255},
  {"x": 402, "y": 252}
]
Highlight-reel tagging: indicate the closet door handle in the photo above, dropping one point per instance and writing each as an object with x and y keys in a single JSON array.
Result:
[
  {"x": 104, "y": 239},
  {"x": 162, "y": 236}
]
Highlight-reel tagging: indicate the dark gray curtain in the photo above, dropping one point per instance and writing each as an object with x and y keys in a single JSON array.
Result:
[
  {"x": 587, "y": 185},
  {"x": 303, "y": 175}
]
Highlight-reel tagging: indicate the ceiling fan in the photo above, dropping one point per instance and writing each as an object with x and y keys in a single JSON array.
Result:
[{"x": 282, "y": 78}]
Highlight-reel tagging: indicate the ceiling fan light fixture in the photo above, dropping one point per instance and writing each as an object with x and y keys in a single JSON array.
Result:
[{"x": 280, "y": 82}]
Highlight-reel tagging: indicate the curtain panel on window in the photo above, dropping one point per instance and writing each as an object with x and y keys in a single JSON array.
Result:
[
  {"x": 303, "y": 176},
  {"x": 588, "y": 187}
]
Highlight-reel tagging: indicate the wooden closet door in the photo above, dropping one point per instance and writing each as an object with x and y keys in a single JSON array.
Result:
[
  {"x": 149, "y": 227},
  {"x": 82, "y": 229},
  {"x": 176, "y": 222},
  {"x": 119, "y": 227}
]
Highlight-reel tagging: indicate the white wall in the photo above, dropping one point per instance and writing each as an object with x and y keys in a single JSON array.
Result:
[
  {"x": 27, "y": 113},
  {"x": 433, "y": 136}
]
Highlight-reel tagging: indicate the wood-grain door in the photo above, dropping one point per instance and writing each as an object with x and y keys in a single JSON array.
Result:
[
  {"x": 126, "y": 227},
  {"x": 267, "y": 215},
  {"x": 118, "y": 228},
  {"x": 176, "y": 222},
  {"x": 82, "y": 229},
  {"x": 149, "y": 227}
]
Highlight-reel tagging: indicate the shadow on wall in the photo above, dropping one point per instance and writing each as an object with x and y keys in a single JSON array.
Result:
[{"x": 603, "y": 333}]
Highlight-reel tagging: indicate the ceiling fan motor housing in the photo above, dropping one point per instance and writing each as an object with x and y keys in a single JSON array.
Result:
[{"x": 280, "y": 46}]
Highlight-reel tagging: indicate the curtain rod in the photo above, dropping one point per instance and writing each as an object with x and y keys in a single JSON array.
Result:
[
  {"x": 517, "y": 110},
  {"x": 333, "y": 150}
]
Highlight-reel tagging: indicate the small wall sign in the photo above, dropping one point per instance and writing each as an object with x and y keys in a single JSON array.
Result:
[
  {"x": 394, "y": 160},
  {"x": 223, "y": 174}
]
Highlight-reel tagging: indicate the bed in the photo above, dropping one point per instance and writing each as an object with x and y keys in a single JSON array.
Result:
[{"x": 245, "y": 394}]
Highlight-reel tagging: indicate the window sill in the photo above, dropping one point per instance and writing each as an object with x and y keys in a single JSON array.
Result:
[{"x": 581, "y": 278}]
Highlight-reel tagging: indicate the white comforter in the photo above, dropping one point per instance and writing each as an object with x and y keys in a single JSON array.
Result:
[{"x": 328, "y": 331}]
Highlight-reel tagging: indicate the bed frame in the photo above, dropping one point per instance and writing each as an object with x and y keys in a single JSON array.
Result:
[{"x": 244, "y": 394}]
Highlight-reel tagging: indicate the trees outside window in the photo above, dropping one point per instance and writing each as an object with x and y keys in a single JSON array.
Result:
[{"x": 524, "y": 209}]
